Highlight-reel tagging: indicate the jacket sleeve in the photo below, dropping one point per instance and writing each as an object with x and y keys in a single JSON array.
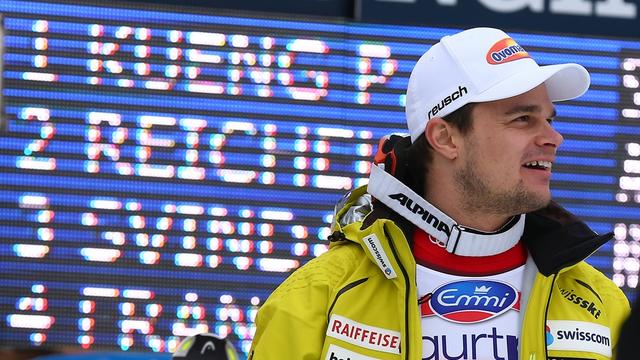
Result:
[{"x": 292, "y": 323}]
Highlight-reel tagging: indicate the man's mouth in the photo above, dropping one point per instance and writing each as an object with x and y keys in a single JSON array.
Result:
[{"x": 539, "y": 165}]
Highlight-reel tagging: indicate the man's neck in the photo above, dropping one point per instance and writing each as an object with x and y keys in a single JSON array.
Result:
[{"x": 445, "y": 196}]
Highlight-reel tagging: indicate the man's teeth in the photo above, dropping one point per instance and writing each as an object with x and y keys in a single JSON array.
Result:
[{"x": 542, "y": 164}]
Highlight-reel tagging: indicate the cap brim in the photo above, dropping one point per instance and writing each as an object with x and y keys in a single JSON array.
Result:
[{"x": 563, "y": 82}]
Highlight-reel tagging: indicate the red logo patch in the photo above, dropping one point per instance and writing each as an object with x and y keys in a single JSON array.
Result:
[{"x": 504, "y": 51}]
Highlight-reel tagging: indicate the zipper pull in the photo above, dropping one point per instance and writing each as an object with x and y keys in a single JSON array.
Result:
[{"x": 532, "y": 356}]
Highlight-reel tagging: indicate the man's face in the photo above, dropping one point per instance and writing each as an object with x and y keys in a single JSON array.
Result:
[{"x": 506, "y": 155}]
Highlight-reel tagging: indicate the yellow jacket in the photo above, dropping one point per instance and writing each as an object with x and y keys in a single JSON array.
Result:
[{"x": 345, "y": 305}]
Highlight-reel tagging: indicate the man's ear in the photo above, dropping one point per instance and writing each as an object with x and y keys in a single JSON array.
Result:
[{"x": 442, "y": 137}]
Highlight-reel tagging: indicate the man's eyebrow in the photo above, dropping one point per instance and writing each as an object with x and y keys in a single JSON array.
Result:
[{"x": 520, "y": 109}]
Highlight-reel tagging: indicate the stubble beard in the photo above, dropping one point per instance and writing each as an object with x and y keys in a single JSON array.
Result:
[{"x": 477, "y": 196}]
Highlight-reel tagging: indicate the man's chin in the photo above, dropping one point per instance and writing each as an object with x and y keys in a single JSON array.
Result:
[{"x": 537, "y": 201}]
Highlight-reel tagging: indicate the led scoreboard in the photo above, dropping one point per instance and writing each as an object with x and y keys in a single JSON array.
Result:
[{"x": 164, "y": 168}]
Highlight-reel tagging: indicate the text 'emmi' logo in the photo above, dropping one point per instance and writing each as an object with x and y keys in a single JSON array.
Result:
[
  {"x": 447, "y": 100},
  {"x": 418, "y": 210}
]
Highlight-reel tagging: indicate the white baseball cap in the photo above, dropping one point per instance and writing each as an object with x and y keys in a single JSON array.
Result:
[{"x": 479, "y": 65}]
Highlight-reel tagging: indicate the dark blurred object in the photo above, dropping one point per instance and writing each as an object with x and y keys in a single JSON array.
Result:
[
  {"x": 25, "y": 354},
  {"x": 205, "y": 347},
  {"x": 630, "y": 334}
]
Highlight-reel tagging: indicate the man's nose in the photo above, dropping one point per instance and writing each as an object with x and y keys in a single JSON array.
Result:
[{"x": 549, "y": 136}]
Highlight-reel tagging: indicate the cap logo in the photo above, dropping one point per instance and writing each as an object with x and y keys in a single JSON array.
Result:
[
  {"x": 504, "y": 51},
  {"x": 457, "y": 94}
]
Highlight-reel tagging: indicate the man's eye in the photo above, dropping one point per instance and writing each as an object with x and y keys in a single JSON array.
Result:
[{"x": 524, "y": 118}]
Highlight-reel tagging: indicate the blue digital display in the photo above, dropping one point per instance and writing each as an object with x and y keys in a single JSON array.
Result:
[{"x": 162, "y": 171}]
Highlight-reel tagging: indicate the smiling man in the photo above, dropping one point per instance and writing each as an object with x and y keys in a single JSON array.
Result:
[{"x": 455, "y": 250}]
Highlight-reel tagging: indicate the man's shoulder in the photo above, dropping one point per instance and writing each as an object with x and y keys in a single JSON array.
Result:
[
  {"x": 587, "y": 275},
  {"x": 327, "y": 270},
  {"x": 342, "y": 257}
]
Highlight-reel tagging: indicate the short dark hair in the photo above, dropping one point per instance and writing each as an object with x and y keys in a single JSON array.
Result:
[{"x": 420, "y": 153}]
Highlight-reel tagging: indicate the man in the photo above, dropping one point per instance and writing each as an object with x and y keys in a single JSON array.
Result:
[{"x": 461, "y": 254}]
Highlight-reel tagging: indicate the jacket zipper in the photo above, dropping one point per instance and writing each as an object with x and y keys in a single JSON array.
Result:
[
  {"x": 343, "y": 290},
  {"x": 406, "y": 289},
  {"x": 546, "y": 314}
]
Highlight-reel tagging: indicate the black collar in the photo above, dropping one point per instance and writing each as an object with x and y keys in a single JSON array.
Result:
[{"x": 556, "y": 238}]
